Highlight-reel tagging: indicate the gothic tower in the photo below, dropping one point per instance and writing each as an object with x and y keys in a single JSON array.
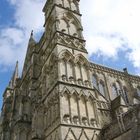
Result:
[
  {"x": 63, "y": 96},
  {"x": 68, "y": 95}
]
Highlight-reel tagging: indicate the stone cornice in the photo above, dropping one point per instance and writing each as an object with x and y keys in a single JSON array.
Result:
[{"x": 113, "y": 71}]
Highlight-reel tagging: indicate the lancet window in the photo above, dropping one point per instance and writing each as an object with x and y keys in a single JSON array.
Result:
[
  {"x": 138, "y": 91},
  {"x": 102, "y": 88},
  {"x": 125, "y": 94},
  {"x": 118, "y": 87},
  {"x": 94, "y": 81},
  {"x": 114, "y": 91}
]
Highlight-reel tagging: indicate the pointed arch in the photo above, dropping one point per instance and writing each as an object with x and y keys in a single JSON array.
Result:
[
  {"x": 72, "y": 24},
  {"x": 81, "y": 59},
  {"x": 82, "y": 93},
  {"x": 65, "y": 54},
  {"x": 66, "y": 65},
  {"x": 74, "y": 91},
  {"x": 83, "y": 136},
  {"x": 70, "y": 135},
  {"x": 75, "y": 20},
  {"x": 65, "y": 91},
  {"x": 91, "y": 96},
  {"x": 63, "y": 25}
]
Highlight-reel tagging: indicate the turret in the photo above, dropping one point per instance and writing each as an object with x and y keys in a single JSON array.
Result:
[
  {"x": 32, "y": 41},
  {"x": 15, "y": 76}
]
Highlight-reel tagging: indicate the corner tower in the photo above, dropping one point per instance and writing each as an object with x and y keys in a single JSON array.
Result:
[{"x": 68, "y": 99}]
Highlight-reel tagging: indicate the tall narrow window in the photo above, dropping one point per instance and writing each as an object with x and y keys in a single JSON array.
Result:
[
  {"x": 125, "y": 94},
  {"x": 114, "y": 91},
  {"x": 70, "y": 69},
  {"x": 138, "y": 91},
  {"x": 118, "y": 87},
  {"x": 102, "y": 88},
  {"x": 94, "y": 81}
]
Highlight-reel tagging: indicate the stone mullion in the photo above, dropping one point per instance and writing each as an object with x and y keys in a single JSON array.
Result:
[
  {"x": 21, "y": 109},
  {"x": 95, "y": 111},
  {"x": 74, "y": 72},
  {"x": 87, "y": 111},
  {"x": 60, "y": 109},
  {"x": 52, "y": 114},
  {"x": 49, "y": 116},
  {"x": 59, "y": 72},
  {"x": 68, "y": 27},
  {"x": 69, "y": 103},
  {"x": 91, "y": 77},
  {"x": 66, "y": 70},
  {"x": 81, "y": 72},
  {"x": 106, "y": 89},
  {"x": 78, "y": 106},
  {"x": 88, "y": 74}
]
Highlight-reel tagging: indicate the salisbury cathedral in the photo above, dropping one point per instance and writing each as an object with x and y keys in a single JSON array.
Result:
[{"x": 61, "y": 95}]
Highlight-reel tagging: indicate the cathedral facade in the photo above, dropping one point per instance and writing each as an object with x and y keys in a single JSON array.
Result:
[{"x": 61, "y": 95}]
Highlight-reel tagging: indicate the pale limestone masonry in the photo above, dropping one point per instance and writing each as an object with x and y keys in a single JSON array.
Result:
[{"x": 63, "y": 96}]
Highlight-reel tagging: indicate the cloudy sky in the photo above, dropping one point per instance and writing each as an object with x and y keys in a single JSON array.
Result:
[{"x": 111, "y": 28}]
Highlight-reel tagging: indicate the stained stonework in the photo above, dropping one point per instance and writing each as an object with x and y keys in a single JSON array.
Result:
[{"x": 63, "y": 96}]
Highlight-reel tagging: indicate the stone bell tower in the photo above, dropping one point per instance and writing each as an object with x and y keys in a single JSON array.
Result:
[
  {"x": 63, "y": 96},
  {"x": 64, "y": 38},
  {"x": 68, "y": 98}
]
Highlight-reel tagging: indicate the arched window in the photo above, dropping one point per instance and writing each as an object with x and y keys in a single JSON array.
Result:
[
  {"x": 118, "y": 87},
  {"x": 125, "y": 94},
  {"x": 102, "y": 88},
  {"x": 114, "y": 91},
  {"x": 94, "y": 81},
  {"x": 70, "y": 69},
  {"x": 63, "y": 67},
  {"x": 138, "y": 91}
]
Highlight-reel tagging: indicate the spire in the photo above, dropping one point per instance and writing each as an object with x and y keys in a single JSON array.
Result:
[
  {"x": 14, "y": 77},
  {"x": 32, "y": 40}
]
